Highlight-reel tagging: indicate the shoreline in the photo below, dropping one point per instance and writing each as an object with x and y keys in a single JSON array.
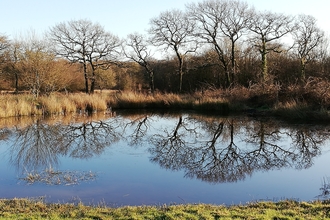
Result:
[
  {"x": 214, "y": 103},
  {"x": 286, "y": 209}
]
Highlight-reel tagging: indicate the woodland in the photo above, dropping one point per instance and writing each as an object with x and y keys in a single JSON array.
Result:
[{"x": 224, "y": 46}]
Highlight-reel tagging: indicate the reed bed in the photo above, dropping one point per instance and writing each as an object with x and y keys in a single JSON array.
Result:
[
  {"x": 22, "y": 105},
  {"x": 84, "y": 102},
  {"x": 296, "y": 102},
  {"x": 54, "y": 104},
  {"x": 168, "y": 101}
]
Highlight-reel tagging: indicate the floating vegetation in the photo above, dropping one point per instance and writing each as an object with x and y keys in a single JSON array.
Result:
[
  {"x": 325, "y": 189},
  {"x": 55, "y": 177}
]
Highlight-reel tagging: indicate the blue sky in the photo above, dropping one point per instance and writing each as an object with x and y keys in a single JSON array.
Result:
[{"x": 122, "y": 17}]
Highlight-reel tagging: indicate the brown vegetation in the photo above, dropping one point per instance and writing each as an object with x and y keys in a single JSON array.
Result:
[
  {"x": 308, "y": 102},
  {"x": 231, "y": 58}
]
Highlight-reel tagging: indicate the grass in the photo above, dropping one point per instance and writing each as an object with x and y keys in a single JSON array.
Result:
[
  {"x": 299, "y": 102},
  {"x": 54, "y": 104},
  {"x": 293, "y": 111},
  {"x": 38, "y": 209},
  {"x": 291, "y": 104}
]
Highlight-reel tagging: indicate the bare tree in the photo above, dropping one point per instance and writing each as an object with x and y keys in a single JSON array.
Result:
[
  {"x": 233, "y": 24},
  {"x": 208, "y": 16},
  {"x": 173, "y": 29},
  {"x": 307, "y": 38},
  {"x": 87, "y": 43},
  {"x": 140, "y": 54},
  {"x": 13, "y": 62},
  {"x": 268, "y": 29},
  {"x": 221, "y": 23},
  {"x": 4, "y": 54},
  {"x": 4, "y": 43},
  {"x": 34, "y": 62}
]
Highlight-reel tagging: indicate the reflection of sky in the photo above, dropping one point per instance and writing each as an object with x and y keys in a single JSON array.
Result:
[{"x": 125, "y": 176}]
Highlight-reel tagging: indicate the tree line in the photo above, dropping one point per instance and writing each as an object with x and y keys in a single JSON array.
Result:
[{"x": 209, "y": 44}]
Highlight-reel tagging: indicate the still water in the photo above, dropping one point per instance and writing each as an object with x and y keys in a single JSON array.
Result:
[{"x": 155, "y": 159}]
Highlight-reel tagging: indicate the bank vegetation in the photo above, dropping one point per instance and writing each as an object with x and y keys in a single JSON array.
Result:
[
  {"x": 30, "y": 209},
  {"x": 219, "y": 55}
]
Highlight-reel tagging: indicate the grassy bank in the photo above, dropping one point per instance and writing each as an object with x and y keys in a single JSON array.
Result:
[
  {"x": 290, "y": 104},
  {"x": 27, "y": 105},
  {"x": 27, "y": 209}
]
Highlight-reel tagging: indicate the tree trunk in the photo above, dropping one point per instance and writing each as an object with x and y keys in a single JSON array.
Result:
[
  {"x": 180, "y": 58},
  {"x": 227, "y": 75},
  {"x": 302, "y": 68},
  {"x": 233, "y": 61},
  {"x": 224, "y": 63},
  {"x": 264, "y": 64},
  {"x": 151, "y": 82},
  {"x": 92, "y": 84},
  {"x": 16, "y": 83},
  {"x": 151, "y": 76},
  {"x": 181, "y": 77},
  {"x": 86, "y": 78}
]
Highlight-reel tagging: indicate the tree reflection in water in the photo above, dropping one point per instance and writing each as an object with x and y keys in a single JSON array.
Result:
[
  {"x": 228, "y": 150},
  {"x": 141, "y": 125},
  {"x": 38, "y": 145},
  {"x": 90, "y": 138},
  {"x": 211, "y": 149}
]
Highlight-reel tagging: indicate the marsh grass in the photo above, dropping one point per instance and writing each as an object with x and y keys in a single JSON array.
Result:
[
  {"x": 130, "y": 100},
  {"x": 297, "y": 102},
  {"x": 38, "y": 209},
  {"x": 54, "y": 104},
  {"x": 140, "y": 100},
  {"x": 22, "y": 105},
  {"x": 300, "y": 111},
  {"x": 89, "y": 103}
]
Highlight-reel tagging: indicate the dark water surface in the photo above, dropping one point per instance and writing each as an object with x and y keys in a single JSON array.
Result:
[{"x": 154, "y": 159}]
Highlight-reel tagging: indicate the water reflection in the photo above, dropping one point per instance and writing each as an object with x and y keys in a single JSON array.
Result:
[
  {"x": 39, "y": 144},
  {"x": 227, "y": 150},
  {"x": 90, "y": 138},
  {"x": 211, "y": 149}
]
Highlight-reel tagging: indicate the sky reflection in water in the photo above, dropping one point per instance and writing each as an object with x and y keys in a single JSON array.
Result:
[{"x": 152, "y": 159}]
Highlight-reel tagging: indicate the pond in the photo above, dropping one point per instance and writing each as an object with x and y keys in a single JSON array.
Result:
[{"x": 146, "y": 158}]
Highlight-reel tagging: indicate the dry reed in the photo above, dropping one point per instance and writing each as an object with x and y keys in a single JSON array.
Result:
[
  {"x": 85, "y": 102},
  {"x": 300, "y": 100},
  {"x": 27, "y": 105}
]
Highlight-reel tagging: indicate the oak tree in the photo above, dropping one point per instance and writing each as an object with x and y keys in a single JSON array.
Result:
[
  {"x": 268, "y": 28},
  {"x": 217, "y": 19},
  {"x": 233, "y": 26},
  {"x": 87, "y": 43},
  {"x": 307, "y": 40},
  {"x": 137, "y": 50},
  {"x": 173, "y": 30}
]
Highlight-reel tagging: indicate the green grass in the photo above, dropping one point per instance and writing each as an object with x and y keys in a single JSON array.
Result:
[{"x": 29, "y": 209}]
